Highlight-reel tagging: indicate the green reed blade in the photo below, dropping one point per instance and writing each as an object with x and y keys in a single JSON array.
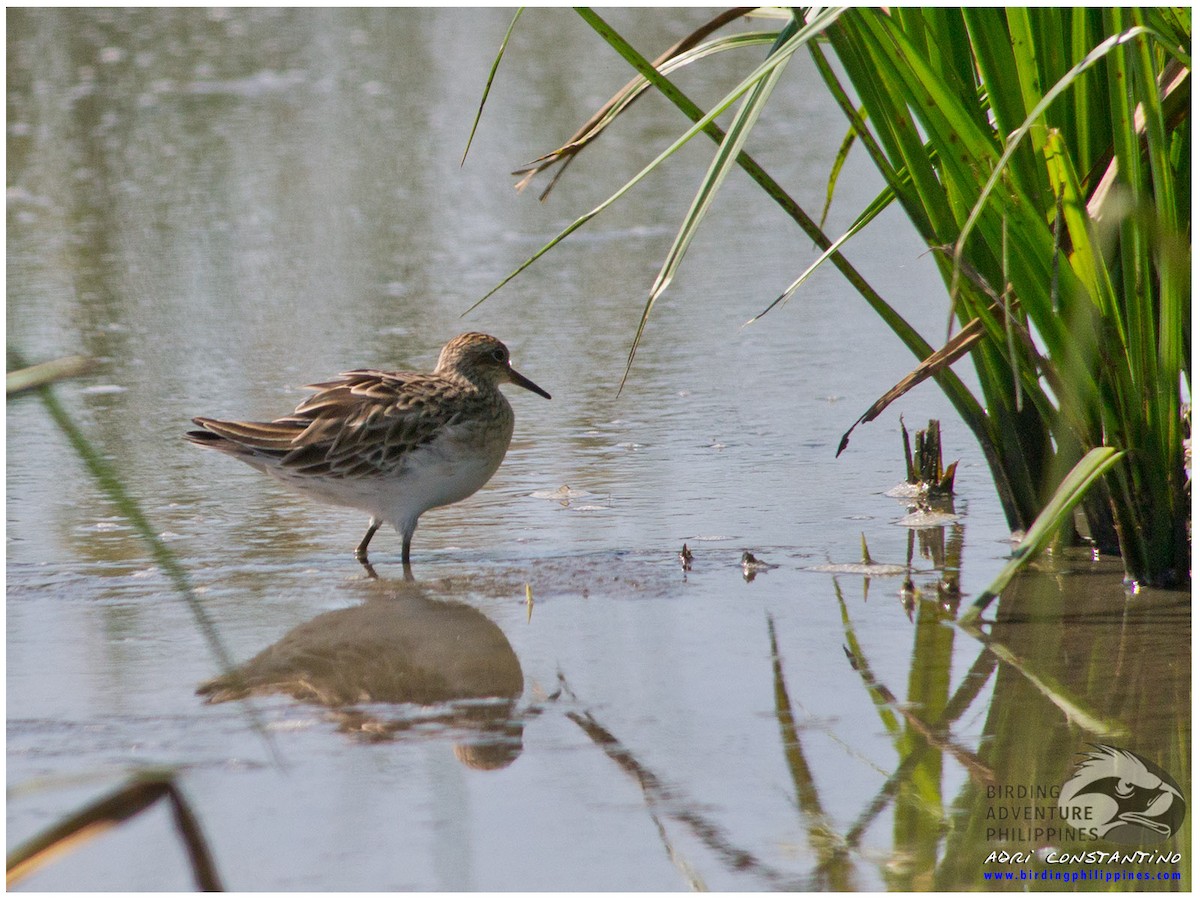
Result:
[
  {"x": 1048, "y": 524},
  {"x": 487, "y": 87}
]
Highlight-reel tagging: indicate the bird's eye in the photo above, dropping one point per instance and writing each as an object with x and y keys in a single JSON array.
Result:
[{"x": 499, "y": 355}]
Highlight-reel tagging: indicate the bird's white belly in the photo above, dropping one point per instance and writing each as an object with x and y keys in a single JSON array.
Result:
[{"x": 437, "y": 474}]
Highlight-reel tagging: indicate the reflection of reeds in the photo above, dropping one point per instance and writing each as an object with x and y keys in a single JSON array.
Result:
[
  {"x": 109, "y": 481},
  {"x": 1058, "y": 639},
  {"x": 972, "y": 684},
  {"x": 125, "y": 803},
  {"x": 935, "y": 734},
  {"x": 834, "y": 871},
  {"x": 145, "y": 789},
  {"x": 1074, "y": 708},
  {"x": 1065, "y": 670},
  {"x": 663, "y": 799},
  {"x": 928, "y": 712}
]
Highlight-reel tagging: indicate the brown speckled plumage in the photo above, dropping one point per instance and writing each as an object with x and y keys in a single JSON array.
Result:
[{"x": 393, "y": 444}]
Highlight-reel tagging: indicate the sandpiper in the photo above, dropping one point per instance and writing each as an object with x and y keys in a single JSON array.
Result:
[{"x": 392, "y": 444}]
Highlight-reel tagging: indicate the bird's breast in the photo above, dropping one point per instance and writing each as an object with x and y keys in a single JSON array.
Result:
[{"x": 458, "y": 462}]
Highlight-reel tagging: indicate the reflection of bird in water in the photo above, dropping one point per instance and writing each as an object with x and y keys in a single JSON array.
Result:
[
  {"x": 1117, "y": 793},
  {"x": 393, "y": 444},
  {"x": 399, "y": 647}
]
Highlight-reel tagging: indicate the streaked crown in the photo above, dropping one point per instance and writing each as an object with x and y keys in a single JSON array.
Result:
[
  {"x": 476, "y": 357},
  {"x": 482, "y": 360}
]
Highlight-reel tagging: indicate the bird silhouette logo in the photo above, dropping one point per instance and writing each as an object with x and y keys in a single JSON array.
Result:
[{"x": 1122, "y": 797}]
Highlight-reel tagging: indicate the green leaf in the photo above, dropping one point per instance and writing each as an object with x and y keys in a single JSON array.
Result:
[
  {"x": 487, "y": 87},
  {"x": 835, "y": 170},
  {"x": 865, "y": 218},
  {"x": 820, "y": 22},
  {"x": 1014, "y": 140},
  {"x": 727, "y": 154},
  {"x": 1048, "y": 524}
]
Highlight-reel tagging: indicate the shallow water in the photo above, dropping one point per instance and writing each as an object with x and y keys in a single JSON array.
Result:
[{"x": 223, "y": 207}]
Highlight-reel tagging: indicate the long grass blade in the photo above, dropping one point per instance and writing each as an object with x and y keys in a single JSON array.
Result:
[
  {"x": 109, "y": 811},
  {"x": 835, "y": 170},
  {"x": 955, "y": 349},
  {"x": 625, "y": 98},
  {"x": 727, "y": 101},
  {"x": 1047, "y": 525},
  {"x": 683, "y": 52},
  {"x": 1033, "y": 118},
  {"x": 727, "y": 154},
  {"x": 591, "y": 130},
  {"x": 865, "y": 218},
  {"x": 487, "y": 87},
  {"x": 110, "y": 483}
]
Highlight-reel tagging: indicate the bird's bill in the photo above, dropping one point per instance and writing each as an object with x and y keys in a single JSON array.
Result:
[{"x": 518, "y": 379}]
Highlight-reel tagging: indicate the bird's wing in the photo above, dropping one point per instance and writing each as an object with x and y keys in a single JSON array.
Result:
[{"x": 361, "y": 425}]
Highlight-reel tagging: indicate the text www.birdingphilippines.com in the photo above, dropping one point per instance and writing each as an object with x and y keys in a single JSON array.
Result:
[{"x": 1075, "y": 866}]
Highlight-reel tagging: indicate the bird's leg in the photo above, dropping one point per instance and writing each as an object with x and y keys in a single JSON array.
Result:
[
  {"x": 360, "y": 552},
  {"x": 406, "y": 544},
  {"x": 406, "y": 536}
]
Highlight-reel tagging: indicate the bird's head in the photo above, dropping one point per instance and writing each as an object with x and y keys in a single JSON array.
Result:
[{"x": 482, "y": 359}]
